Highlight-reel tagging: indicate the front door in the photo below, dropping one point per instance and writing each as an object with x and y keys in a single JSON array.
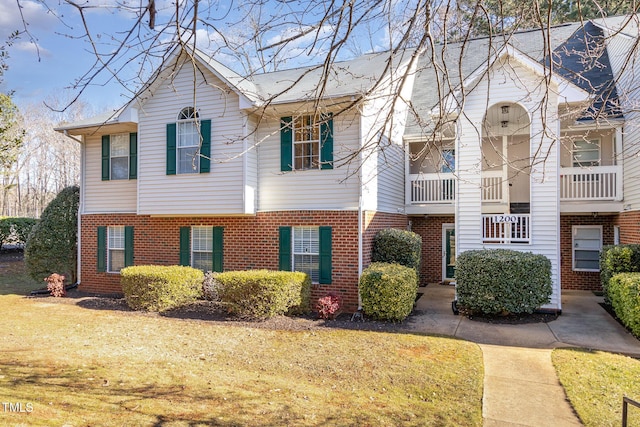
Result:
[{"x": 449, "y": 252}]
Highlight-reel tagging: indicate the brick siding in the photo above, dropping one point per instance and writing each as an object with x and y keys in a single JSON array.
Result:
[
  {"x": 629, "y": 223},
  {"x": 249, "y": 243}
]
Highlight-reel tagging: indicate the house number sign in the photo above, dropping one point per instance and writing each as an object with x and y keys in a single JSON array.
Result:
[{"x": 505, "y": 218}]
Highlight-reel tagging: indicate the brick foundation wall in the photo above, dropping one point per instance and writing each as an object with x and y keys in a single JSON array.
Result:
[
  {"x": 430, "y": 228},
  {"x": 374, "y": 222},
  {"x": 581, "y": 280},
  {"x": 249, "y": 243},
  {"x": 629, "y": 223}
]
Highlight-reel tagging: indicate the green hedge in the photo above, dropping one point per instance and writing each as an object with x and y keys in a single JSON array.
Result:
[
  {"x": 160, "y": 288},
  {"x": 388, "y": 291},
  {"x": 260, "y": 294},
  {"x": 395, "y": 246},
  {"x": 617, "y": 259},
  {"x": 496, "y": 281},
  {"x": 15, "y": 230},
  {"x": 624, "y": 294}
]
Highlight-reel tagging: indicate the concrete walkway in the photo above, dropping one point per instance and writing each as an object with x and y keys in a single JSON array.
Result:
[{"x": 520, "y": 384}]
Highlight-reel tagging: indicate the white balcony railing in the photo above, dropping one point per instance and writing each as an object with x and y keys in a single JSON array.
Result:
[
  {"x": 506, "y": 228},
  {"x": 441, "y": 187},
  {"x": 598, "y": 183},
  {"x": 595, "y": 183}
]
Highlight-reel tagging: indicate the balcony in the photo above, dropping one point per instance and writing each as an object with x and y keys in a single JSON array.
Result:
[
  {"x": 598, "y": 183},
  {"x": 595, "y": 184}
]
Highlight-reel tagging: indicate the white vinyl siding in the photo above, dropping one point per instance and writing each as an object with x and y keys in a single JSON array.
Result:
[
  {"x": 313, "y": 189},
  {"x": 202, "y": 248},
  {"x": 587, "y": 244},
  {"x": 306, "y": 252},
  {"x": 216, "y": 193},
  {"x": 115, "y": 196},
  {"x": 515, "y": 83},
  {"x": 119, "y": 156},
  {"x": 115, "y": 249}
]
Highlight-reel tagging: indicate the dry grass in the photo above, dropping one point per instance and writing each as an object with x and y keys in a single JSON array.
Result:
[
  {"x": 596, "y": 381},
  {"x": 81, "y": 366}
]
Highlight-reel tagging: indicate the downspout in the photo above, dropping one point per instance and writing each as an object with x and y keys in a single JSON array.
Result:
[
  {"x": 83, "y": 164},
  {"x": 360, "y": 212}
]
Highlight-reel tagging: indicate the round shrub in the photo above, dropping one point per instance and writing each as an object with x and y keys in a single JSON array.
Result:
[
  {"x": 499, "y": 281},
  {"x": 260, "y": 294},
  {"x": 160, "y": 288},
  {"x": 52, "y": 245},
  {"x": 388, "y": 291},
  {"x": 395, "y": 246}
]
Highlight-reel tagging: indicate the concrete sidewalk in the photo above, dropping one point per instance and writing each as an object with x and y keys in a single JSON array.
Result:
[{"x": 520, "y": 384}]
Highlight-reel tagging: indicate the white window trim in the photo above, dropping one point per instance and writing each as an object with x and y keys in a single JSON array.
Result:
[
  {"x": 111, "y": 156},
  {"x": 193, "y": 251},
  {"x": 297, "y": 125},
  {"x": 573, "y": 246},
  {"x": 111, "y": 229},
  {"x": 294, "y": 253},
  {"x": 196, "y": 120}
]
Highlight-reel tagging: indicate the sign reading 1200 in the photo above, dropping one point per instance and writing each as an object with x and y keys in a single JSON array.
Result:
[{"x": 505, "y": 218}]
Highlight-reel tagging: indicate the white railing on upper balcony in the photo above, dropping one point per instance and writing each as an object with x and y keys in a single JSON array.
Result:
[
  {"x": 432, "y": 188},
  {"x": 506, "y": 228},
  {"x": 441, "y": 187},
  {"x": 595, "y": 183}
]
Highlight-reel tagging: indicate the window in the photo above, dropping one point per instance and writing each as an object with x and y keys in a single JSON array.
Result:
[
  {"x": 586, "y": 153},
  {"x": 306, "y": 251},
  {"x": 188, "y": 141},
  {"x": 306, "y": 142},
  {"x": 115, "y": 254},
  {"x": 119, "y": 156},
  {"x": 448, "y": 160},
  {"x": 188, "y": 144},
  {"x": 587, "y": 243},
  {"x": 115, "y": 248},
  {"x": 202, "y": 248}
]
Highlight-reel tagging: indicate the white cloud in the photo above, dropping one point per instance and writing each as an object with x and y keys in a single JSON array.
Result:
[{"x": 36, "y": 16}]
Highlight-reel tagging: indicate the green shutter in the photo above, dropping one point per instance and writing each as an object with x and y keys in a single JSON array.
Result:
[
  {"x": 171, "y": 149},
  {"x": 326, "y": 141},
  {"x": 133, "y": 155},
  {"x": 217, "y": 248},
  {"x": 106, "y": 157},
  {"x": 325, "y": 255},
  {"x": 205, "y": 148},
  {"x": 102, "y": 249},
  {"x": 128, "y": 246},
  {"x": 286, "y": 144},
  {"x": 185, "y": 246},
  {"x": 284, "y": 254}
]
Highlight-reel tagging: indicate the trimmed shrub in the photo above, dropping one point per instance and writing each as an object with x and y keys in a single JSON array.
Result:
[
  {"x": 388, "y": 291},
  {"x": 617, "y": 259},
  {"x": 624, "y": 291},
  {"x": 15, "y": 231},
  {"x": 52, "y": 245},
  {"x": 160, "y": 288},
  {"x": 260, "y": 294},
  {"x": 395, "y": 246},
  {"x": 499, "y": 281}
]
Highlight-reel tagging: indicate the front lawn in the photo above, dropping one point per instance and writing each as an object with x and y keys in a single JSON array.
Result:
[
  {"x": 63, "y": 363},
  {"x": 596, "y": 382}
]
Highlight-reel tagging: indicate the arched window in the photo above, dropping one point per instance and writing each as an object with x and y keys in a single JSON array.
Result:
[{"x": 188, "y": 139}]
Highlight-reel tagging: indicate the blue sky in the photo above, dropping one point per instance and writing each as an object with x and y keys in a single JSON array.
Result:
[{"x": 53, "y": 55}]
